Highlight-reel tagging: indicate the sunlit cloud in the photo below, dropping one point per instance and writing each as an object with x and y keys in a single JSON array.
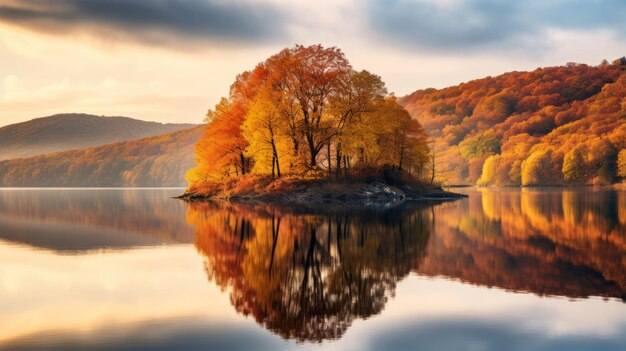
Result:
[{"x": 109, "y": 97}]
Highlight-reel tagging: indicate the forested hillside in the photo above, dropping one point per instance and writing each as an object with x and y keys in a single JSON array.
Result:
[
  {"x": 155, "y": 161},
  {"x": 74, "y": 131},
  {"x": 556, "y": 125}
]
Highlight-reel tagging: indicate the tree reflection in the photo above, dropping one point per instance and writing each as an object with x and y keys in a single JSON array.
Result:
[
  {"x": 308, "y": 274},
  {"x": 563, "y": 242}
]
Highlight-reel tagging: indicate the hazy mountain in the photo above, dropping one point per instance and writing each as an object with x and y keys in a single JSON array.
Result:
[
  {"x": 74, "y": 131},
  {"x": 155, "y": 161}
]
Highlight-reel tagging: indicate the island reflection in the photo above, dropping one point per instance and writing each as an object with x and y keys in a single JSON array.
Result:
[{"x": 307, "y": 274}]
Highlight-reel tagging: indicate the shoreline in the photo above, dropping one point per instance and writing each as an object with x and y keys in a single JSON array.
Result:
[{"x": 319, "y": 192}]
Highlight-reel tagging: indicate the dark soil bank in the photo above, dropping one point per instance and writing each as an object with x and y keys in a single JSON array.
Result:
[{"x": 348, "y": 192}]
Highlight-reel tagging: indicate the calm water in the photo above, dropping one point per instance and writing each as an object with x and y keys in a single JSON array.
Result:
[{"x": 135, "y": 269}]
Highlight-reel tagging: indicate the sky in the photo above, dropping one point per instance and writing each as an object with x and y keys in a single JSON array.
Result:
[{"x": 171, "y": 60}]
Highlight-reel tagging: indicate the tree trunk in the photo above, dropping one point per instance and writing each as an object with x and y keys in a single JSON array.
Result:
[
  {"x": 307, "y": 264},
  {"x": 338, "y": 236},
  {"x": 330, "y": 164},
  {"x": 274, "y": 152},
  {"x": 274, "y": 241},
  {"x": 243, "y": 163},
  {"x": 420, "y": 170},
  {"x": 277, "y": 167},
  {"x": 274, "y": 157},
  {"x": 432, "y": 175},
  {"x": 296, "y": 144},
  {"x": 338, "y": 161},
  {"x": 312, "y": 151}
]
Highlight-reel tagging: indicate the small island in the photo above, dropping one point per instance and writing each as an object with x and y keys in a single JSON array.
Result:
[{"x": 304, "y": 126}]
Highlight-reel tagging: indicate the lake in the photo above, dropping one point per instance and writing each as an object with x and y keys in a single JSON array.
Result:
[{"x": 134, "y": 269}]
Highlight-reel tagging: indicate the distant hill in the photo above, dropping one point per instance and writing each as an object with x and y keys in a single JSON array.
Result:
[
  {"x": 155, "y": 161},
  {"x": 74, "y": 131},
  {"x": 554, "y": 125}
]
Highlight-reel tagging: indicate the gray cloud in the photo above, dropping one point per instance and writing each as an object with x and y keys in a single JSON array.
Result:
[
  {"x": 168, "y": 22},
  {"x": 581, "y": 14},
  {"x": 488, "y": 24},
  {"x": 187, "y": 333},
  {"x": 494, "y": 335}
]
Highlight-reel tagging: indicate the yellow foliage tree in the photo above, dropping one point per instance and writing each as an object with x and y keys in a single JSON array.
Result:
[
  {"x": 264, "y": 129},
  {"x": 490, "y": 171},
  {"x": 574, "y": 164},
  {"x": 621, "y": 163},
  {"x": 536, "y": 169}
]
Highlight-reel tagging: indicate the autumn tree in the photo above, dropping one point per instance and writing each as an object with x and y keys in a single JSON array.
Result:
[
  {"x": 476, "y": 149},
  {"x": 401, "y": 139},
  {"x": 537, "y": 168},
  {"x": 480, "y": 145},
  {"x": 357, "y": 95},
  {"x": 621, "y": 163},
  {"x": 490, "y": 171},
  {"x": 311, "y": 75},
  {"x": 574, "y": 165},
  {"x": 264, "y": 128},
  {"x": 220, "y": 152},
  {"x": 601, "y": 160},
  {"x": 386, "y": 135}
]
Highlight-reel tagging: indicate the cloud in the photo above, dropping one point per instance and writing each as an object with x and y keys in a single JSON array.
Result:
[
  {"x": 182, "y": 333},
  {"x": 472, "y": 25},
  {"x": 581, "y": 14},
  {"x": 447, "y": 334},
  {"x": 450, "y": 27},
  {"x": 155, "y": 22},
  {"x": 153, "y": 101}
]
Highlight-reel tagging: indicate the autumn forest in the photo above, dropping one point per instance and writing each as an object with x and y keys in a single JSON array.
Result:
[{"x": 556, "y": 125}]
